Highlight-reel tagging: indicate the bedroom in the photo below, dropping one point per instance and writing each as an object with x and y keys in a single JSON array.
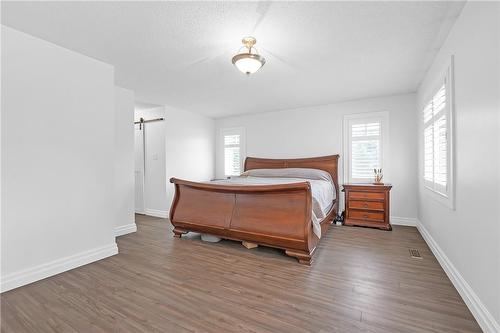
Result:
[{"x": 304, "y": 240}]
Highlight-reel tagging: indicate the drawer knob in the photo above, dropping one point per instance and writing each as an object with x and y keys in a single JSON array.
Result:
[
  {"x": 365, "y": 205},
  {"x": 365, "y": 216}
]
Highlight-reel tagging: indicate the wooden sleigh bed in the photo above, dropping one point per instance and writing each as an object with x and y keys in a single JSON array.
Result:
[{"x": 278, "y": 215}]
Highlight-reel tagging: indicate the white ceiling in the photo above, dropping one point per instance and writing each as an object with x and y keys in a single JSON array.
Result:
[{"x": 179, "y": 53}]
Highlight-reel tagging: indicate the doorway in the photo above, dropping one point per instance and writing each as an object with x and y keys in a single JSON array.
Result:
[{"x": 150, "y": 161}]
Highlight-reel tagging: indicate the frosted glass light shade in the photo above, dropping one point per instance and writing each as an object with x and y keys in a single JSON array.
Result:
[{"x": 248, "y": 63}]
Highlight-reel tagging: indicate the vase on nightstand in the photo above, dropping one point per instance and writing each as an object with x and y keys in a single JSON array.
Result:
[{"x": 378, "y": 176}]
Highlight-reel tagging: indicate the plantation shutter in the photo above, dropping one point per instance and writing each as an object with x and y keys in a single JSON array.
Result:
[
  {"x": 436, "y": 142},
  {"x": 232, "y": 155},
  {"x": 365, "y": 149}
]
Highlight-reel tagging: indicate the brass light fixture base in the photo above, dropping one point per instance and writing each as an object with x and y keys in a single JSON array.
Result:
[{"x": 249, "y": 42}]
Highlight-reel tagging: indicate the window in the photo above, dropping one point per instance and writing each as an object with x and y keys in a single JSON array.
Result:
[
  {"x": 365, "y": 137},
  {"x": 233, "y": 150},
  {"x": 436, "y": 142},
  {"x": 437, "y": 159}
]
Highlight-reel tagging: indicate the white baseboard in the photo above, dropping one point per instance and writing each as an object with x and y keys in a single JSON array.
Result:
[
  {"x": 484, "y": 318},
  {"x": 157, "y": 213},
  {"x": 406, "y": 221},
  {"x": 125, "y": 229},
  {"x": 21, "y": 278}
]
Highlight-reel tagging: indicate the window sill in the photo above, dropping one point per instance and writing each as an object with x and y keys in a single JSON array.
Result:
[
  {"x": 445, "y": 200},
  {"x": 370, "y": 180}
]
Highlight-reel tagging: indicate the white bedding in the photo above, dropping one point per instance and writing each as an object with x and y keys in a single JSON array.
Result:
[{"x": 322, "y": 188}]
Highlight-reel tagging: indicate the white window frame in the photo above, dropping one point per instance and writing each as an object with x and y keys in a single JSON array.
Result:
[
  {"x": 383, "y": 117},
  {"x": 446, "y": 197},
  {"x": 232, "y": 131}
]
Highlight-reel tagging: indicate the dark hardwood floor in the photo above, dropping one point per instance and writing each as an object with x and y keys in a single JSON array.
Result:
[{"x": 362, "y": 280}]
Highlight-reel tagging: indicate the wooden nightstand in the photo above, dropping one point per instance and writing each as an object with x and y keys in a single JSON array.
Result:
[{"x": 367, "y": 205}]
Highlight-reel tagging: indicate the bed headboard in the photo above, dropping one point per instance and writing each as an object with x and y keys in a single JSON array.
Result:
[{"x": 326, "y": 163}]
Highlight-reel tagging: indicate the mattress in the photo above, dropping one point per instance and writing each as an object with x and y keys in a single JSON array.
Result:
[{"x": 322, "y": 187}]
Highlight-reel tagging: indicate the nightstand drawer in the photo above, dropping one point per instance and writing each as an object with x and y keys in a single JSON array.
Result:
[
  {"x": 363, "y": 215},
  {"x": 366, "y": 195},
  {"x": 373, "y": 205}
]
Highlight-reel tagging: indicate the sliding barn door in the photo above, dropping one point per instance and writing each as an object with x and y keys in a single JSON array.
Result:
[{"x": 139, "y": 169}]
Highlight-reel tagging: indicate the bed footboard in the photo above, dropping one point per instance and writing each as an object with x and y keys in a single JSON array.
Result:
[{"x": 271, "y": 215}]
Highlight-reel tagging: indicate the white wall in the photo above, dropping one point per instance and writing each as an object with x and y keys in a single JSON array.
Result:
[
  {"x": 124, "y": 162},
  {"x": 190, "y": 147},
  {"x": 316, "y": 131},
  {"x": 469, "y": 237},
  {"x": 57, "y": 159},
  {"x": 181, "y": 146}
]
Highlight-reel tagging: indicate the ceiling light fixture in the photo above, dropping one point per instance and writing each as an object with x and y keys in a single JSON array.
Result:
[{"x": 249, "y": 62}]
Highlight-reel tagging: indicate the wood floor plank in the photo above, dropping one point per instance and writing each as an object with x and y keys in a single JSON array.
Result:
[{"x": 362, "y": 280}]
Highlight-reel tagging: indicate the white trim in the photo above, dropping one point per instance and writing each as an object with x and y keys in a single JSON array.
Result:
[
  {"x": 484, "y": 318},
  {"x": 385, "y": 123},
  {"x": 448, "y": 198},
  {"x": 21, "y": 278},
  {"x": 125, "y": 229},
  {"x": 406, "y": 221},
  {"x": 156, "y": 213},
  {"x": 241, "y": 131}
]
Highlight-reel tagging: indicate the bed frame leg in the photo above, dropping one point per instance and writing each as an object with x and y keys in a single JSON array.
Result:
[
  {"x": 303, "y": 257},
  {"x": 178, "y": 232}
]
